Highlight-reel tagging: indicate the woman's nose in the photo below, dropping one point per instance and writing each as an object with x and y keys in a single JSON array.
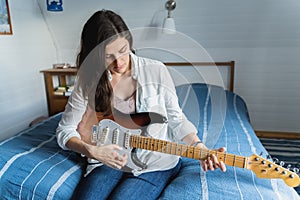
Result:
[{"x": 118, "y": 60}]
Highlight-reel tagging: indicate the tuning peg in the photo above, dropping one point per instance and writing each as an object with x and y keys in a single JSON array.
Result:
[
  {"x": 261, "y": 153},
  {"x": 296, "y": 170},
  {"x": 275, "y": 160},
  {"x": 289, "y": 166},
  {"x": 269, "y": 157},
  {"x": 281, "y": 163}
]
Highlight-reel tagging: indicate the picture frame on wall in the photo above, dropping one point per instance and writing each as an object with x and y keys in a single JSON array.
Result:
[{"x": 5, "y": 22}]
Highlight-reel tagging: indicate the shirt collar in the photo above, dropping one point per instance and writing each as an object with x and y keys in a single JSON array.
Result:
[{"x": 133, "y": 58}]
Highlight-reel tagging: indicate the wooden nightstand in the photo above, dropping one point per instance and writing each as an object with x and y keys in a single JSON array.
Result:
[{"x": 56, "y": 103}]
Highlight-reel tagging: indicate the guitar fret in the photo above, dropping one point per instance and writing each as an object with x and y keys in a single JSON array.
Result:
[
  {"x": 167, "y": 147},
  {"x": 159, "y": 145},
  {"x": 172, "y": 149},
  {"x": 233, "y": 160},
  {"x": 182, "y": 150},
  {"x": 192, "y": 152},
  {"x": 187, "y": 151},
  {"x": 156, "y": 145},
  {"x": 147, "y": 143},
  {"x": 152, "y": 141},
  {"x": 178, "y": 150},
  {"x": 163, "y": 148},
  {"x": 139, "y": 142},
  {"x": 200, "y": 154},
  {"x": 144, "y": 146},
  {"x": 136, "y": 142},
  {"x": 132, "y": 143}
]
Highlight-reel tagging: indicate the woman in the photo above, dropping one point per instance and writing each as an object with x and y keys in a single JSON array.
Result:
[{"x": 111, "y": 77}]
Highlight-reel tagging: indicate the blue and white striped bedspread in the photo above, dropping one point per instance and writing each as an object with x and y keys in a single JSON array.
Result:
[{"x": 32, "y": 166}]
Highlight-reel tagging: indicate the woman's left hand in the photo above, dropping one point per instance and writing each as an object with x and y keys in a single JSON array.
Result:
[{"x": 212, "y": 162}]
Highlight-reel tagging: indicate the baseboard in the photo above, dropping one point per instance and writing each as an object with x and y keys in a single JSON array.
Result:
[{"x": 281, "y": 135}]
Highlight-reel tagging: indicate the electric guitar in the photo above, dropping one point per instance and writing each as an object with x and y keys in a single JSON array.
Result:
[{"x": 108, "y": 131}]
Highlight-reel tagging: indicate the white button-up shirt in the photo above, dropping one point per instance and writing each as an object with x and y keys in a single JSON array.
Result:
[{"x": 155, "y": 93}]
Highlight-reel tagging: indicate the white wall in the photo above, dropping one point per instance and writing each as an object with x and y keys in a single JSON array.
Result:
[
  {"x": 23, "y": 55},
  {"x": 263, "y": 37}
]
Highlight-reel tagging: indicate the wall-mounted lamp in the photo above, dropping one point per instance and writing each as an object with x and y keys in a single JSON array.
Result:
[
  {"x": 169, "y": 23},
  {"x": 54, "y": 6}
]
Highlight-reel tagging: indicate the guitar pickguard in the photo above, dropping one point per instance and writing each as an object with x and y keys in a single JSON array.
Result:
[{"x": 109, "y": 132}]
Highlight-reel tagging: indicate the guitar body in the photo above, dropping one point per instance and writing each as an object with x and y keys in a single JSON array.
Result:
[{"x": 109, "y": 132}]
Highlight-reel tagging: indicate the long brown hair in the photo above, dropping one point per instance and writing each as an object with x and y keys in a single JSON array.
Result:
[{"x": 102, "y": 28}]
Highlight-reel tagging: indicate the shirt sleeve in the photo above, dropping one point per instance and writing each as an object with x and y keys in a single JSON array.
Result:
[
  {"x": 179, "y": 124},
  {"x": 71, "y": 117}
]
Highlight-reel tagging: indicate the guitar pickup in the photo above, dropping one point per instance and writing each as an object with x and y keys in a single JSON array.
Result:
[{"x": 94, "y": 136}]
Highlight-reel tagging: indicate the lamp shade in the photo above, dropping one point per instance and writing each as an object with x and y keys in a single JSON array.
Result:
[
  {"x": 54, "y": 6},
  {"x": 169, "y": 26}
]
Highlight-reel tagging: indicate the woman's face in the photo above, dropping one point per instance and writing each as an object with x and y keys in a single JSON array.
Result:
[{"x": 117, "y": 56}]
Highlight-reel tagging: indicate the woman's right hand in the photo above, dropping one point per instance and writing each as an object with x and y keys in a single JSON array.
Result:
[{"x": 108, "y": 155}]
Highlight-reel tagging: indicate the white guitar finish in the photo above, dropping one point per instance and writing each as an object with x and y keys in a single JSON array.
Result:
[{"x": 109, "y": 132}]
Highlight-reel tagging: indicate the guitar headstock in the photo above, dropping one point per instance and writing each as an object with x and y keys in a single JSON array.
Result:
[{"x": 264, "y": 168}]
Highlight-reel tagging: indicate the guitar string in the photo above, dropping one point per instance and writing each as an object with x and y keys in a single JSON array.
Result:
[
  {"x": 166, "y": 147},
  {"x": 181, "y": 147}
]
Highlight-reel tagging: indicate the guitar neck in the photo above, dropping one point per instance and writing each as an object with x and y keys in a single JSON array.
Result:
[{"x": 183, "y": 150}]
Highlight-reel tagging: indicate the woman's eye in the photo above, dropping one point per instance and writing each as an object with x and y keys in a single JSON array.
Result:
[{"x": 123, "y": 50}]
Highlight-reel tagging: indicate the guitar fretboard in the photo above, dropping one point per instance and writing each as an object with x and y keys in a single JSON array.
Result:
[{"x": 183, "y": 150}]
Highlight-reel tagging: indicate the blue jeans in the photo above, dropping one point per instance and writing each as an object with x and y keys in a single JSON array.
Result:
[{"x": 107, "y": 183}]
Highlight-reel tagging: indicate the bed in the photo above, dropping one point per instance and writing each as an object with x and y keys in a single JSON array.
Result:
[{"x": 32, "y": 166}]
